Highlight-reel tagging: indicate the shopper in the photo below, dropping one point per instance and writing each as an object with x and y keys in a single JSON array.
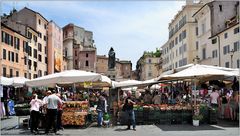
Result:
[
  {"x": 214, "y": 98},
  {"x": 157, "y": 98},
  {"x": 35, "y": 114},
  {"x": 147, "y": 97},
  {"x": 224, "y": 104},
  {"x": 129, "y": 102},
  {"x": 59, "y": 113},
  {"x": 52, "y": 105},
  {"x": 101, "y": 108}
]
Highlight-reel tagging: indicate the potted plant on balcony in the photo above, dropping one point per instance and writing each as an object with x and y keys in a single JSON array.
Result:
[{"x": 196, "y": 118}]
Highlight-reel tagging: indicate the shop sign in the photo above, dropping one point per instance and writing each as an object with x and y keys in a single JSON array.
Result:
[{"x": 87, "y": 84}]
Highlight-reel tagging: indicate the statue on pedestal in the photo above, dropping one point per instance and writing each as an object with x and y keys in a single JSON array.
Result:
[{"x": 111, "y": 59}]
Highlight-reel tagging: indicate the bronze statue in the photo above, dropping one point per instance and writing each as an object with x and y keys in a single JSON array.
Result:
[{"x": 111, "y": 59}]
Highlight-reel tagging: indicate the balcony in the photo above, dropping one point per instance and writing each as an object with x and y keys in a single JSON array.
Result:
[{"x": 232, "y": 21}]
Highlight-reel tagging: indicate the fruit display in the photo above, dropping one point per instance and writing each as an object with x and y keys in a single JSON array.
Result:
[
  {"x": 74, "y": 118},
  {"x": 75, "y": 112}
]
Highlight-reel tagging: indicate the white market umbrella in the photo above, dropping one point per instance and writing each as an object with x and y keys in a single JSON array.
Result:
[
  {"x": 19, "y": 81},
  {"x": 65, "y": 77},
  {"x": 198, "y": 71},
  {"x": 127, "y": 83},
  {"x": 6, "y": 81}
]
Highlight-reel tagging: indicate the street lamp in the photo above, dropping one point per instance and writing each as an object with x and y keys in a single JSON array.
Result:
[{"x": 231, "y": 54}]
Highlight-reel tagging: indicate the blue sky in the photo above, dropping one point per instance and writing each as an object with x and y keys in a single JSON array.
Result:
[{"x": 130, "y": 27}]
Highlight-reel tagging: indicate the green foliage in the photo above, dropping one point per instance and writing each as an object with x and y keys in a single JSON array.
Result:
[{"x": 197, "y": 117}]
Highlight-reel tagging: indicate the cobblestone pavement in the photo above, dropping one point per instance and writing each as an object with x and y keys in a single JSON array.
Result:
[{"x": 223, "y": 128}]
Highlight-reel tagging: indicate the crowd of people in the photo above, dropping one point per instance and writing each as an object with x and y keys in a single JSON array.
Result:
[{"x": 50, "y": 107}]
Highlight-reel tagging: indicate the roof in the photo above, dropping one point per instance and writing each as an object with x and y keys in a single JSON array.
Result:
[
  {"x": 36, "y": 13},
  {"x": 2, "y": 24},
  {"x": 223, "y": 30}
]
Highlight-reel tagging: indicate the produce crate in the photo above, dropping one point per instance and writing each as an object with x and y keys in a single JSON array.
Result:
[{"x": 176, "y": 116}]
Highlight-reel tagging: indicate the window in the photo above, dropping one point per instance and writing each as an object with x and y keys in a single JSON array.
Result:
[
  {"x": 39, "y": 73},
  {"x": 29, "y": 50},
  {"x": 35, "y": 38},
  {"x": 238, "y": 63},
  {"x": 180, "y": 37},
  {"x": 45, "y": 26},
  {"x": 149, "y": 61},
  {"x": 236, "y": 46},
  {"x": 236, "y": 30},
  {"x": 204, "y": 53},
  {"x": 16, "y": 43},
  {"x": 87, "y": 55},
  {"x": 45, "y": 38},
  {"x": 176, "y": 65},
  {"x": 4, "y": 71},
  {"x": 34, "y": 75},
  {"x": 196, "y": 45},
  {"x": 184, "y": 34},
  {"x": 4, "y": 54},
  {"x": 3, "y": 37},
  {"x": 176, "y": 52},
  {"x": 176, "y": 40},
  {"x": 45, "y": 73},
  {"x": 214, "y": 40},
  {"x": 220, "y": 8},
  {"x": 46, "y": 60},
  {"x": 214, "y": 54},
  {"x": 17, "y": 73},
  {"x": 39, "y": 34},
  {"x": 35, "y": 53},
  {"x": 150, "y": 74},
  {"x": 29, "y": 75},
  {"x": 25, "y": 75},
  {"x": 40, "y": 47},
  {"x": 29, "y": 64},
  {"x": 29, "y": 35},
  {"x": 9, "y": 55},
  {"x": 226, "y": 49},
  {"x": 11, "y": 72},
  {"x": 227, "y": 64},
  {"x": 39, "y": 57},
  {"x": 75, "y": 52},
  {"x": 45, "y": 50},
  {"x": 39, "y": 21},
  {"x": 184, "y": 48},
  {"x": 76, "y": 63},
  {"x": 225, "y": 35},
  {"x": 86, "y": 63},
  {"x": 25, "y": 60},
  {"x": 12, "y": 56},
  {"x": 196, "y": 31},
  {"x": 17, "y": 57},
  {"x": 35, "y": 65},
  {"x": 203, "y": 28}
]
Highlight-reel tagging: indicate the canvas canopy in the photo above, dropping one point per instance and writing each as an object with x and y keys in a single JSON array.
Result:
[
  {"x": 67, "y": 77},
  {"x": 6, "y": 81},
  {"x": 19, "y": 81},
  {"x": 200, "y": 71}
]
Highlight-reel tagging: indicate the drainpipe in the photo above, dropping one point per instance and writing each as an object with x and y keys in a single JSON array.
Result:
[{"x": 219, "y": 54}]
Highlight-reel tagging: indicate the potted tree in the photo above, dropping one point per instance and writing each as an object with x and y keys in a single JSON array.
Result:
[{"x": 196, "y": 118}]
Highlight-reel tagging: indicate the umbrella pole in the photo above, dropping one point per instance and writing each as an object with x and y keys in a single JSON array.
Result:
[{"x": 195, "y": 94}]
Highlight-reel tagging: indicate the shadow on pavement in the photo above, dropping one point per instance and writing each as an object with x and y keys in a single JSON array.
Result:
[
  {"x": 121, "y": 129},
  {"x": 227, "y": 123},
  {"x": 185, "y": 127}
]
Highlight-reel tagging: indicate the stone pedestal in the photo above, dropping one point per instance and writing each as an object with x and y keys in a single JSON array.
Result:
[{"x": 112, "y": 74}]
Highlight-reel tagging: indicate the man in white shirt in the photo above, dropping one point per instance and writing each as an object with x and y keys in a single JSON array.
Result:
[
  {"x": 34, "y": 115},
  {"x": 52, "y": 107}
]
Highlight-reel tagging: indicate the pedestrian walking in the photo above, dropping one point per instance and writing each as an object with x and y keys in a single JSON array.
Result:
[
  {"x": 52, "y": 106},
  {"x": 129, "y": 102},
  {"x": 35, "y": 113}
]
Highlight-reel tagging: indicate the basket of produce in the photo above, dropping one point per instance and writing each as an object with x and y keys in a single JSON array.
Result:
[{"x": 22, "y": 109}]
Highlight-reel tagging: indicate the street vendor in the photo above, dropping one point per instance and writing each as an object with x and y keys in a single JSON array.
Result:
[{"x": 129, "y": 102}]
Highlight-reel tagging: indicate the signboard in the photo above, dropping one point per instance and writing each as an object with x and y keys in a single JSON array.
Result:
[{"x": 87, "y": 84}]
